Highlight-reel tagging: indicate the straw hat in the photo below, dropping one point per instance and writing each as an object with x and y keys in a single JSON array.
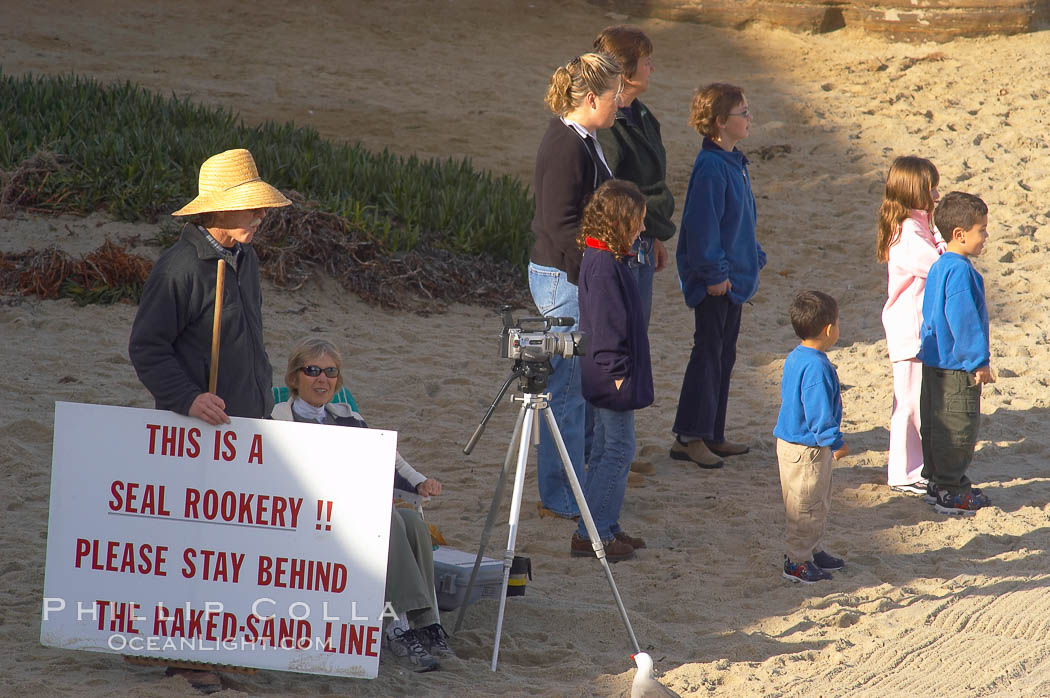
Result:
[{"x": 230, "y": 181}]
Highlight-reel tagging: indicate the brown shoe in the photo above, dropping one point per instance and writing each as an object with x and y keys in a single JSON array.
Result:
[
  {"x": 636, "y": 543},
  {"x": 615, "y": 550},
  {"x": 697, "y": 452},
  {"x": 727, "y": 448},
  {"x": 547, "y": 513}
]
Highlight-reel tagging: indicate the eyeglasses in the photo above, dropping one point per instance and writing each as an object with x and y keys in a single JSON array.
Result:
[
  {"x": 746, "y": 113},
  {"x": 315, "y": 371}
]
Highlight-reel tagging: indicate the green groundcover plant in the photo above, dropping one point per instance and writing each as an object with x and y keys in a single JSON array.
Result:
[{"x": 135, "y": 154}]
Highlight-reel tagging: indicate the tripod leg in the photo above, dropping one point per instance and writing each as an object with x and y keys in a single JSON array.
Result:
[
  {"x": 493, "y": 510},
  {"x": 515, "y": 511},
  {"x": 588, "y": 521}
]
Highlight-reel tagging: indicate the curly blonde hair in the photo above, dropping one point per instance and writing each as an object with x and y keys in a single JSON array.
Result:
[
  {"x": 612, "y": 215},
  {"x": 570, "y": 84},
  {"x": 711, "y": 103}
]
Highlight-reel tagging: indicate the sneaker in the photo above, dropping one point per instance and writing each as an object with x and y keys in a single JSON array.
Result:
[
  {"x": 917, "y": 488},
  {"x": 966, "y": 502},
  {"x": 636, "y": 543},
  {"x": 435, "y": 639},
  {"x": 931, "y": 492},
  {"x": 697, "y": 452},
  {"x": 615, "y": 550},
  {"x": 807, "y": 572},
  {"x": 406, "y": 645},
  {"x": 828, "y": 562},
  {"x": 932, "y": 489},
  {"x": 726, "y": 448}
]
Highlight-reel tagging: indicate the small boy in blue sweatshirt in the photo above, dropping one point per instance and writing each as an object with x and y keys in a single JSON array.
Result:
[
  {"x": 955, "y": 356},
  {"x": 809, "y": 435}
]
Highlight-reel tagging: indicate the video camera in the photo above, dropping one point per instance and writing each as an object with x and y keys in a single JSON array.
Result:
[
  {"x": 529, "y": 339},
  {"x": 531, "y": 344}
]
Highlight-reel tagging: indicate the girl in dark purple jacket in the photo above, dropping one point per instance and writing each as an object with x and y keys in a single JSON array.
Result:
[{"x": 616, "y": 374}]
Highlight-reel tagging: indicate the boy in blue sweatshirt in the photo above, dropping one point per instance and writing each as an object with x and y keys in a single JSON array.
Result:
[
  {"x": 809, "y": 435},
  {"x": 955, "y": 356}
]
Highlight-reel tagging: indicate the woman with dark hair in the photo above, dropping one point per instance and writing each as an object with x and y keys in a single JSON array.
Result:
[
  {"x": 718, "y": 263},
  {"x": 584, "y": 96},
  {"x": 634, "y": 150}
]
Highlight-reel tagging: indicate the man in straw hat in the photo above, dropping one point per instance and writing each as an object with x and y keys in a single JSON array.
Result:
[{"x": 171, "y": 337}]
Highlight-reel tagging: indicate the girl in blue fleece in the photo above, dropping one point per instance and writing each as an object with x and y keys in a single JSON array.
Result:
[
  {"x": 718, "y": 263},
  {"x": 616, "y": 374}
]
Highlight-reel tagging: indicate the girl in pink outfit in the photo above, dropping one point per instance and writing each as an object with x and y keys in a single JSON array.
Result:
[{"x": 909, "y": 243}]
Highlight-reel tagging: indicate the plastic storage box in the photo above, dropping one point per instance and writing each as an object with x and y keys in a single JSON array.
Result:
[{"x": 452, "y": 570}]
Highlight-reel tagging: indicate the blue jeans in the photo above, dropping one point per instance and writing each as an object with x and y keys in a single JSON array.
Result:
[
  {"x": 644, "y": 267},
  {"x": 556, "y": 297},
  {"x": 705, "y": 387},
  {"x": 607, "y": 470}
]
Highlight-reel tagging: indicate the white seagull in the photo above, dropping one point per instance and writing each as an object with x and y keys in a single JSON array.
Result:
[{"x": 645, "y": 684}]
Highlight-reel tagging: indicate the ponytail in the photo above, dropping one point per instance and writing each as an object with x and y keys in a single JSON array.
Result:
[{"x": 570, "y": 84}]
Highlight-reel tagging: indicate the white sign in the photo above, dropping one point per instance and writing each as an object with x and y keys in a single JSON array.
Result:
[{"x": 258, "y": 543}]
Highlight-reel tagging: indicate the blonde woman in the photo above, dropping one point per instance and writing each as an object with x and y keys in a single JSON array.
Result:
[{"x": 584, "y": 95}]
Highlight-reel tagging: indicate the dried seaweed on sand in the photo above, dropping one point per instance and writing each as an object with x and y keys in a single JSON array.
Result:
[
  {"x": 293, "y": 243},
  {"x": 107, "y": 275},
  {"x": 297, "y": 241},
  {"x": 21, "y": 187}
]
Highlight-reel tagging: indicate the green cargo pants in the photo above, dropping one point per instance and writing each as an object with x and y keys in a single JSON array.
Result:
[{"x": 949, "y": 414}]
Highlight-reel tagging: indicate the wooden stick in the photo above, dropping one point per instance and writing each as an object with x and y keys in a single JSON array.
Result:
[{"x": 216, "y": 326}]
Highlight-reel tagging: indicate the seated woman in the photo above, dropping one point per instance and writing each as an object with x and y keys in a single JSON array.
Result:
[{"x": 315, "y": 373}]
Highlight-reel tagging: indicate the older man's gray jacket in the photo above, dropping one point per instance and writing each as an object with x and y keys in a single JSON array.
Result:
[{"x": 170, "y": 344}]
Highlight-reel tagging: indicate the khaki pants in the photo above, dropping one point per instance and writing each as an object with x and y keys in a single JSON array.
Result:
[
  {"x": 805, "y": 482},
  {"x": 410, "y": 568}
]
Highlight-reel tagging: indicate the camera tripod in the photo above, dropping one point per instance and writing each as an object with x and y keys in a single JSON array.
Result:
[{"x": 533, "y": 379}]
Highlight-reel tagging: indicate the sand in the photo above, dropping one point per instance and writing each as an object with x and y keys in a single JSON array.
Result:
[{"x": 928, "y": 605}]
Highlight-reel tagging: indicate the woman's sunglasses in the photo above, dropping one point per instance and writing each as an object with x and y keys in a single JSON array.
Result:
[{"x": 315, "y": 371}]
